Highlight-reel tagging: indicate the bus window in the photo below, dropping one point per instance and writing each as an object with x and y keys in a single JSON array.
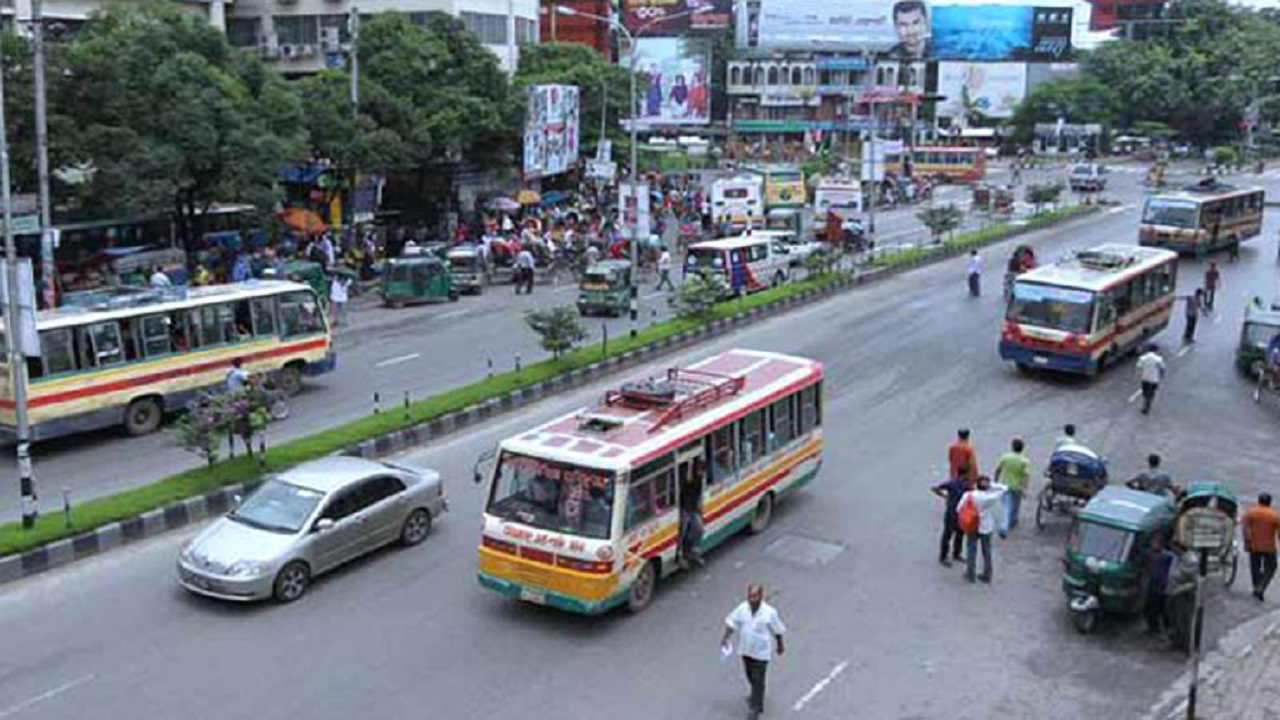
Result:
[
  {"x": 57, "y": 351},
  {"x": 100, "y": 345},
  {"x": 720, "y": 444},
  {"x": 210, "y": 328},
  {"x": 810, "y": 409},
  {"x": 227, "y": 320},
  {"x": 155, "y": 335},
  {"x": 129, "y": 338},
  {"x": 264, "y": 316},
  {"x": 783, "y": 421},
  {"x": 650, "y": 497},
  {"x": 183, "y": 332},
  {"x": 751, "y": 437},
  {"x": 300, "y": 314}
]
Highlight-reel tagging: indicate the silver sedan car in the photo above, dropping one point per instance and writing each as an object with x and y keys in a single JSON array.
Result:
[{"x": 306, "y": 521}]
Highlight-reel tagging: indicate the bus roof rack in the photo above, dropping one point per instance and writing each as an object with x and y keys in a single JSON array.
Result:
[
  {"x": 1104, "y": 260},
  {"x": 678, "y": 394},
  {"x": 1209, "y": 185}
]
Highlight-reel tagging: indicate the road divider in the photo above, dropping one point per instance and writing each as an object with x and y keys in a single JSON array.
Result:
[{"x": 102, "y": 523}]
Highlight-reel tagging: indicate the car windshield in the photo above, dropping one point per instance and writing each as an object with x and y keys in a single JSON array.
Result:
[
  {"x": 1259, "y": 335},
  {"x": 705, "y": 258},
  {"x": 1101, "y": 541},
  {"x": 1050, "y": 306},
  {"x": 1082, "y": 170},
  {"x": 553, "y": 496},
  {"x": 278, "y": 506},
  {"x": 1164, "y": 211}
]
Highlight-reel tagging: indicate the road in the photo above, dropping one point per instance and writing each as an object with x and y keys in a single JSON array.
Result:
[
  {"x": 420, "y": 350},
  {"x": 878, "y": 631}
]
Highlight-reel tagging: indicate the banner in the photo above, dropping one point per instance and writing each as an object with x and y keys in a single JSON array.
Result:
[
  {"x": 902, "y": 28},
  {"x": 647, "y": 15},
  {"x": 551, "y": 130},
  {"x": 710, "y": 14},
  {"x": 627, "y": 210},
  {"x": 983, "y": 32},
  {"x": 991, "y": 89},
  {"x": 677, "y": 92},
  {"x": 1051, "y": 34}
]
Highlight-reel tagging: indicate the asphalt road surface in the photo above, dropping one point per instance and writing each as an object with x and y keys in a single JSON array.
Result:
[{"x": 877, "y": 630}]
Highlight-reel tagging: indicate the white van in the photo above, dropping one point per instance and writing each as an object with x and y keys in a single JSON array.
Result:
[
  {"x": 747, "y": 262},
  {"x": 738, "y": 201}
]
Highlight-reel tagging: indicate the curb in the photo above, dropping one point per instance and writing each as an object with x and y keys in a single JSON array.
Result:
[{"x": 179, "y": 514}]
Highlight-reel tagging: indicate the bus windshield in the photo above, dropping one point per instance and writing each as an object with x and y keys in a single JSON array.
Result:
[
  {"x": 553, "y": 496},
  {"x": 1164, "y": 211},
  {"x": 1050, "y": 306}
]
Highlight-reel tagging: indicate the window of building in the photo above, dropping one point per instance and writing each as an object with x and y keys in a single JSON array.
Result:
[
  {"x": 244, "y": 32},
  {"x": 808, "y": 76},
  {"x": 735, "y": 75},
  {"x": 526, "y": 31},
  {"x": 297, "y": 29},
  {"x": 797, "y": 76},
  {"x": 341, "y": 23},
  {"x": 491, "y": 29},
  {"x": 773, "y": 76},
  {"x": 759, "y": 75}
]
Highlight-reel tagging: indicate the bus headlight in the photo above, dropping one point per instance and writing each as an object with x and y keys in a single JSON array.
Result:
[{"x": 605, "y": 553}]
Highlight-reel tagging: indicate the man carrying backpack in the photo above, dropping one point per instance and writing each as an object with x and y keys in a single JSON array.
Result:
[{"x": 977, "y": 516}]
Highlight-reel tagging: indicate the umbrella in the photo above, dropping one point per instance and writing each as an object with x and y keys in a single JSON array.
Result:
[
  {"x": 303, "y": 220},
  {"x": 528, "y": 197},
  {"x": 502, "y": 204}
]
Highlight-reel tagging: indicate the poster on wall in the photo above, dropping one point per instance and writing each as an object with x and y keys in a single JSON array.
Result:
[
  {"x": 1051, "y": 34},
  {"x": 710, "y": 14},
  {"x": 678, "y": 92},
  {"x": 983, "y": 32},
  {"x": 631, "y": 214},
  {"x": 990, "y": 89},
  {"x": 551, "y": 130},
  {"x": 650, "y": 16},
  {"x": 901, "y": 29}
]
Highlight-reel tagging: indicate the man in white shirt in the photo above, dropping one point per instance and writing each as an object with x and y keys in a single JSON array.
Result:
[
  {"x": 973, "y": 269},
  {"x": 524, "y": 268},
  {"x": 988, "y": 498},
  {"x": 758, "y": 627},
  {"x": 664, "y": 270},
  {"x": 1150, "y": 373},
  {"x": 159, "y": 279}
]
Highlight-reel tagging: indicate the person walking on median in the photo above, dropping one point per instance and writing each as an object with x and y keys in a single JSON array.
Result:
[
  {"x": 986, "y": 499},
  {"x": 664, "y": 270},
  {"x": 952, "y": 538},
  {"x": 1013, "y": 470},
  {"x": 973, "y": 271},
  {"x": 1212, "y": 279},
  {"x": 960, "y": 454},
  {"x": 758, "y": 627},
  {"x": 1150, "y": 373},
  {"x": 1260, "y": 527}
]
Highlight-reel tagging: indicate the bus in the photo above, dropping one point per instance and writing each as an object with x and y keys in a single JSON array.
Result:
[
  {"x": 1202, "y": 217},
  {"x": 747, "y": 262},
  {"x": 783, "y": 186},
  {"x": 954, "y": 164},
  {"x": 737, "y": 202},
  {"x": 582, "y": 513},
  {"x": 1084, "y": 313},
  {"x": 130, "y": 358}
]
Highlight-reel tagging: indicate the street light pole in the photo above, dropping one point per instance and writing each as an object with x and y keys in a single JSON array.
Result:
[{"x": 42, "y": 155}]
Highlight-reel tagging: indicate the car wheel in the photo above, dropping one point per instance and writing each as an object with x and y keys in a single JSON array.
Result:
[
  {"x": 762, "y": 515},
  {"x": 292, "y": 582},
  {"x": 416, "y": 527},
  {"x": 289, "y": 381},
  {"x": 641, "y": 592},
  {"x": 143, "y": 416}
]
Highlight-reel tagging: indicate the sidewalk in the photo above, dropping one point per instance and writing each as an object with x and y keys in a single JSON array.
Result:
[{"x": 1248, "y": 684}]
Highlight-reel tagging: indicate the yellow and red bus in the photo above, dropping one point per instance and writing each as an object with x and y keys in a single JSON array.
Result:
[
  {"x": 954, "y": 164},
  {"x": 1202, "y": 217},
  {"x": 583, "y": 512},
  {"x": 1084, "y": 313},
  {"x": 783, "y": 186},
  {"x": 127, "y": 360}
]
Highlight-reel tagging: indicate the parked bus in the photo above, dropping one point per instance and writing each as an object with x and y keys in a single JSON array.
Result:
[
  {"x": 841, "y": 197},
  {"x": 1202, "y": 217},
  {"x": 582, "y": 512},
  {"x": 747, "y": 262},
  {"x": 783, "y": 186},
  {"x": 128, "y": 359},
  {"x": 954, "y": 164},
  {"x": 737, "y": 202},
  {"x": 1081, "y": 314}
]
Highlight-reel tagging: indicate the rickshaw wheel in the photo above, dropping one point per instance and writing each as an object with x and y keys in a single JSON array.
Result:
[
  {"x": 1233, "y": 566},
  {"x": 1085, "y": 621},
  {"x": 1043, "y": 505}
]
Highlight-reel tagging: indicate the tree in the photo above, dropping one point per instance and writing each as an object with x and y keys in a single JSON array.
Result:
[
  {"x": 1043, "y": 194},
  {"x": 941, "y": 219},
  {"x": 1075, "y": 100},
  {"x": 168, "y": 117},
  {"x": 696, "y": 299},
  {"x": 558, "y": 327},
  {"x": 597, "y": 80}
]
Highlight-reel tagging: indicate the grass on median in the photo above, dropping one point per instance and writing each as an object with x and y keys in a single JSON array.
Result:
[{"x": 980, "y": 237}]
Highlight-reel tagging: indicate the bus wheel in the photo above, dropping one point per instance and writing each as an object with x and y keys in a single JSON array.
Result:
[
  {"x": 289, "y": 381},
  {"x": 641, "y": 593},
  {"x": 143, "y": 416},
  {"x": 763, "y": 514}
]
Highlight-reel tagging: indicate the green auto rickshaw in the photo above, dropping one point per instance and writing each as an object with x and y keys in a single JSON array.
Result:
[
  {"x": 1107, "y": 555},
  {"x": 469, "y": 268},
  {"x": 417, "y": 279},
  {"x": 1260, "y": 327},
  {"x": 605, "y": 288}
]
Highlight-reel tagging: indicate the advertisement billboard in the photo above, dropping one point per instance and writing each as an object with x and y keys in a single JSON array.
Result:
[
  {"x": 983, "y": 32},
  {"x": 991, "y": 89},
  {"x": 648, "y": 15},
  {"x": 710, "y": 14},
  {"x": 1051, "y": 34},
  {"x": 899, "y": 28},
  {"x": 551, "y": 130},
  {"x": 677, "y": 92}
]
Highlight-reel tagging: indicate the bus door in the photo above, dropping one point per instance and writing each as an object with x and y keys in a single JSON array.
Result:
[{"x": 690, "y": 487}]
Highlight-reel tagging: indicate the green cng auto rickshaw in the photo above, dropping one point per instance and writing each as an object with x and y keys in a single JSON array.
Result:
[
  {"x": 605, "y": 288},
  {"x": 1105, "y": 566},
  {"x": 1261, "y": 325},
  {"x": 417, "y": 279},
  {"x": 470, "y": 272}
]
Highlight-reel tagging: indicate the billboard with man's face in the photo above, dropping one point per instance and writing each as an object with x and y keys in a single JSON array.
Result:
[{"x": 900, "y": 28}]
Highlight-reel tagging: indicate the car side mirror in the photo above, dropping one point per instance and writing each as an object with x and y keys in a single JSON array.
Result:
[
  {"x": 324, "y": 525},
  {"x": 235, "y": 501}
]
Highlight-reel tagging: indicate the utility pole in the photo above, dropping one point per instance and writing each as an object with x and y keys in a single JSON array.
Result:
[
  {"x": 17, "y": 363},
  {"x": 355, "y": 61},
  {"x": 42, "y": 157}
]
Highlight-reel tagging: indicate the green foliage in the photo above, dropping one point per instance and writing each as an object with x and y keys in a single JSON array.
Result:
[
  {"x": 941, "y": 219},
  {"x": 209, "y": 418},
  {"x": 200, "y": 430},
  {"x": 696, "y": 299},
  {"x": 1076, "y": 100},
  {"x": 1043, "y": 194},
  {"x": 1152, "y": 129},
  {"x": 558, "y": 327},
  {"x": 823, "y": 261},
  {"x": 597, "y": 80},
  {"x": 1224, "y": 156}
]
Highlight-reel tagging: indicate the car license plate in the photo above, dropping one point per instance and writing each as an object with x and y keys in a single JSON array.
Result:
[
  {"x": 533, "y": 596},
  {"x": 1040, "y": 360},
  {"x": 197, "y": 581}
]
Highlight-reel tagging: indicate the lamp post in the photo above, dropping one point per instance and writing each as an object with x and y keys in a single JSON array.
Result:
[{"x": 616, "y": 24}]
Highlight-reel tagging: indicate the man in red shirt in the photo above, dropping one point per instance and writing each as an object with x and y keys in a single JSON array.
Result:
[
  {"x": 960, "y": 455},
  {"x": 1260, "y": 527}
]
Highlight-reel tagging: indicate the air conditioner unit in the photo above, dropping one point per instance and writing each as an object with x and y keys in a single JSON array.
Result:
[
  {"x": 330, "y": 39},
  {"x": 306, "y": 50},
  {"x": 288, "y": 51}
]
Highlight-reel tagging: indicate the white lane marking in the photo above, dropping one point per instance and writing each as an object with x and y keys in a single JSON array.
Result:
[
  {"x": 651, "y": 296},
  {"x": 822, "y": 685},
  {"x": 1185, "y": 349},
  {"x": 1136, "y": 394},
  {"x": 454, "y": 314},
  {"x": 46, "y": 695},
  {"x": 398, "y": 359},
  {"x": 566, "y": 288}
]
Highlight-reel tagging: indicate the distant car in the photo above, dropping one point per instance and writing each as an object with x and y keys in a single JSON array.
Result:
[
  {"x": 307, "y": 521},
  {"x": 1088, "y": 177},
  {"x": 797, "y": 250}
]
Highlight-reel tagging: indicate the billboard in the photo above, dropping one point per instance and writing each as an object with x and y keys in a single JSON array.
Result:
[
  {"x": 551, "y": 130},
  {"x": 710, "y": 14},
  {"x": 901, "y": 28},
  {"x": 992, "y": 89},
  {"x": 1051, "y": 34},
  {"x": 983, "y": 32},
  {"x": 677, "y": 90},
  {"x": 648, "y": 15}
]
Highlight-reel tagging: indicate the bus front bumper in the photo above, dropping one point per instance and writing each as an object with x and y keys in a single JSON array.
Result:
[
  {"x": 546, "y": 597},
  {"x": 320, "y": 367},
  {"x": 1047, "y": 360}
]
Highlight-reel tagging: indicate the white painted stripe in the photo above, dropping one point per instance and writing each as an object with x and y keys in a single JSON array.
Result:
[
  {"x": 651, "y": 296},
  {"x": 454, "y": 314},
  {"x": 46, "y": 695},
  {"x": 566, "y": 288},
  {"x": 1185, "y": 349},
  {"x": 822, "y": 685},
  {"x": 1136, "y": 394},
  {"x": 398, "y": 359}
]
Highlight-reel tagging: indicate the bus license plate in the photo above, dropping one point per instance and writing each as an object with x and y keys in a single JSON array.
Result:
[
  {"x": 1040, "y": 360},
  {"x": 533, "y": 596}
]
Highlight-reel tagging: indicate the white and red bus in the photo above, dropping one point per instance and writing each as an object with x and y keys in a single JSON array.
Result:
[
  {"x": 1081, "y": 314},
  {"x": 1202, "y": 217},
  {"x": 582, "y": 512}
]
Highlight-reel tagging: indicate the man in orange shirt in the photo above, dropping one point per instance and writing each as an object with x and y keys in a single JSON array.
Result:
[
  {"x": 960, "y": 455},
  {"x": 1260, "y": 527}
]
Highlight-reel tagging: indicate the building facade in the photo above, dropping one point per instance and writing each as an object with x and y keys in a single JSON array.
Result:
[{"x": 77, "y": 11}]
